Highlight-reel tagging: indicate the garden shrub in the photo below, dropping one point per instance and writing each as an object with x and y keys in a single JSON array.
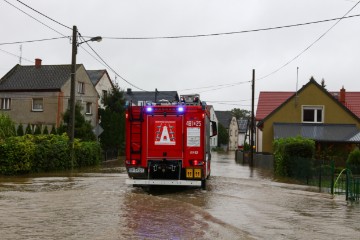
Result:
[
  {"x": 293, "y": 156},
  {"x": 87, "y": 153},
  {"x": 16, "y": 155},
  {"x": 43, "y": 153},
  {"x": 353, "y": 161},
  {"x": 20, "y": 130},
  {"x": 52, "y": 153},
  {"x": 7, "y": 127}
]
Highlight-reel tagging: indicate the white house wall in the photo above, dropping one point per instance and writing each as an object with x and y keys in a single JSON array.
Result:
[{"x": 104, "y": 84}]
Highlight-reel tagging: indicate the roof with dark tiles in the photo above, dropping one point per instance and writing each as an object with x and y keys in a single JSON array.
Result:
[
  {"x": 45, "y": 77},
  {"x": 95, "y": 75}
]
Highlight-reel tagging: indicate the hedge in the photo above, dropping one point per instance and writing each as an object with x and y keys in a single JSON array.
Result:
[
  {"x": 293, "y": 156},
  {"x": 44, "y": 153}
]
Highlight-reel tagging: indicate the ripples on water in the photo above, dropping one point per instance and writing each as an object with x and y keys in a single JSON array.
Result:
[{"x": 238, "y": 204}]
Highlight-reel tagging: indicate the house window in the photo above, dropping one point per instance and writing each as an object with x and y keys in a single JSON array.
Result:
[
  {"x": 5, "y": 103},
  {"x": 312, "y": 114},
  {"x": 88, "y": 108},
  {"x": 37, "y": 104},
  {"x": 81, "y": 87}
]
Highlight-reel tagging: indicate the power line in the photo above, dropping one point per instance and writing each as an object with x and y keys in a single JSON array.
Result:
[
  {"x": 312, "y": 44},
  {"x": 34, "y": 18},
  {"x": 109, "y": 65},
  {"x": 31, "y": 41},
  {"x": 16, "y": 55},
  {"x": 233, "y": 32},
  {"x": 44, "y": 15}
]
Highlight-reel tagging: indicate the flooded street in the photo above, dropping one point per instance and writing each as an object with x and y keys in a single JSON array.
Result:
[{"x": 238, "y": 204}]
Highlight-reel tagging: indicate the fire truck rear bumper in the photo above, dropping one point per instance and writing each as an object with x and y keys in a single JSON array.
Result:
[{"x": 163, "y": 182}]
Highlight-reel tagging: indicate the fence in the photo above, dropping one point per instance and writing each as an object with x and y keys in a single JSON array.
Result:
[
  {"x": 328, "y": 175},
  {"x": 110, "y": 154},
  {"x": 347, "y": 183}
]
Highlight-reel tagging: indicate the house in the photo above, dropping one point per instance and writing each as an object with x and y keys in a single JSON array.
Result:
[
  {"x": 39, "y": 94},
  {"x": 244, "y": 132},
  {"x": 141, "y": 98},
  {"x": 102, "y": 83},
  {"x": 329, "y": 118},
  {"x": 214, "y": 139},
  {"x": 228, "y": 121}
]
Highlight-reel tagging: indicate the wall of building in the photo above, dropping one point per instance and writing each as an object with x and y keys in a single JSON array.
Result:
[
  {"x": 233, "y": 134},
  {"x": 104, "y": 84},
  {"x": 291, "y": 112}
]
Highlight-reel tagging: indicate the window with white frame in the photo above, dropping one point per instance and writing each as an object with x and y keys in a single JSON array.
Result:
[
  {"x": 81, "y": 87},
  {"x": 37, "y": 104},
  {"x": 312, "y": 114},
  {"x": 5, "y": 103},
  {"x": 88, "y": 108}
]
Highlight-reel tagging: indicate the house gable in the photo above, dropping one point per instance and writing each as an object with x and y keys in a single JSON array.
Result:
[
  {"x": 39, "y": 94},
  {"x": 291, "y": 111}
]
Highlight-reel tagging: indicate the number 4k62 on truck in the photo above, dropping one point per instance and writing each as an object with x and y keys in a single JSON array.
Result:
[{"x": 169, "y": 143}]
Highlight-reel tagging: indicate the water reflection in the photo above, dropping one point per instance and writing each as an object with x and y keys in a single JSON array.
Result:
[{"x": 239, "y": 203}]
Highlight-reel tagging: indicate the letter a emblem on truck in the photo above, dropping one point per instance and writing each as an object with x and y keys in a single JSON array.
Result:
[{"x": 165, "y": 133}]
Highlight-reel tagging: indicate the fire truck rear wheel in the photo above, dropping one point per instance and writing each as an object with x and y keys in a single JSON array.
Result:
[{"x": 203, "y": 184}]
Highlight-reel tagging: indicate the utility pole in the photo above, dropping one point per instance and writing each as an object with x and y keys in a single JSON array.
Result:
[
  {"x": 252, "y": 120},
  {"x": 71, "y": 128},
  {"x": 72, "y": 86}
]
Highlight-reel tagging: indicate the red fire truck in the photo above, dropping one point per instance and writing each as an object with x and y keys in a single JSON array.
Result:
[{"x": 169, "y": 144}]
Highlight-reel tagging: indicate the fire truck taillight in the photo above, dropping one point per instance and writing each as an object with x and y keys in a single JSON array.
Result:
[
  {"x": 197, "y": 163},
  {"x": 132, "y": 162}
]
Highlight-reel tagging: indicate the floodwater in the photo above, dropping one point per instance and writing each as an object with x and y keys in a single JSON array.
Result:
[{"x": 238, "y": 204}]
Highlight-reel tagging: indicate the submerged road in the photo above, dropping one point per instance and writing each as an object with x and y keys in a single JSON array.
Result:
[{"x": 238, "y": 204}]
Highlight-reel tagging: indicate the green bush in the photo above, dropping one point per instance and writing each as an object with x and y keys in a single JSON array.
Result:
[
  {"x": 43, "y": 153},
  {"x": 87, "y": 153},
  {"x": 20, "y": 130},
  {"x": 28, "y": 129},
  {"x": 292, "y": 156},
  {"x": 7, "y": 127},
  {"x": 52, "y": 153},
  {"x": 16, "y": 155},
  {"x": 45, "y": 131},
  {"x": 353, "y": 161}
]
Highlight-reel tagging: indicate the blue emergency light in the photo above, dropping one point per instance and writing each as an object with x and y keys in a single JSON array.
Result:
[{"x": 149, "y": 109}]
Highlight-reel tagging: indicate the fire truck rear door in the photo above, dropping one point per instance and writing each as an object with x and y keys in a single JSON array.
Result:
[{"x": 165, "y": 137}]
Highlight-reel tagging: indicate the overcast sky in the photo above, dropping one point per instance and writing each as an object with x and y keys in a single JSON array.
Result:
[{"x": 218, "y": 67}]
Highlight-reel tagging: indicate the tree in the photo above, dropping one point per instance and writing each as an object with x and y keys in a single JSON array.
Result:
[
  {"x": 223, "y": 135},
  {"x": 53, "y": 130},
  {"x": 45, "y": 131},
  {"x": 112, "y": 120},
  {"x": 37, "y": 130},
  {"x": 7, "y": 127},
  {"x": 240, "y": 113},
  {"x": 20, "y": 130},
  {"x": 28, "y": 129},
  {"x": 83, "y": 128}
]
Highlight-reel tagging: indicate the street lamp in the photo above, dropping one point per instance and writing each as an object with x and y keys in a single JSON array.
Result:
[{"x": 75, "y": 45}]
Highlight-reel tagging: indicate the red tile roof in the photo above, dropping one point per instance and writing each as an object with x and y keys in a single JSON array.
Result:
[
  {"x": 352, "y": 101},
  {"x": 269, "y": 101}
]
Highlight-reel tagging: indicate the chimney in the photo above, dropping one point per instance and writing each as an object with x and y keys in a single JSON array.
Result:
[
  {"x": 37, "y": 63},
  {"x": 128, "y": 91},
  {"x": 342, "y": 95}
]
